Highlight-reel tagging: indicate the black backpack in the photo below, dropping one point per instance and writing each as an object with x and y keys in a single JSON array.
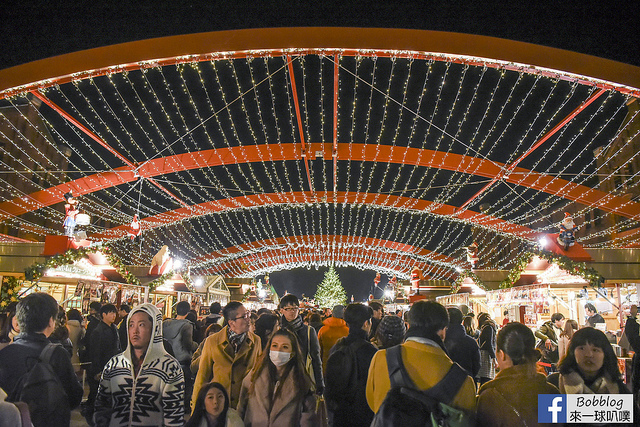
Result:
[
  {"x": 407, "y": 406},
  {"x": 42, "y": 390},
  {"x": 341, "y": 375}
]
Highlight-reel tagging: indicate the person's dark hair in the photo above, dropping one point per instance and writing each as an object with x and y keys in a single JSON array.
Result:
[
  {"x": 483, "y": 319},
  {"x": 212, "y": 329},
  {"x": 590, "y": 307},
  {"x": 375, "y": 306},
  {"x": 467, "y": 322},
  {"x": 518, "y": 342},
  {"x": 7, "y": 324},
  {"x": 125, "y": 308},
  {"x": 35, "y": 311},
  {"x": 294, "y": 367},
  {"x": 455, "y": 316},
  {"x": 61, "y": 332},
  {"x": 429, "y": 315},
  {"x": 230, "y": 310},
  {"x": 570, "y": 328},
  {"x": 289, "y": 299},
  {"x": 557, "y": 316},
  {"x": 74, "y": 314},
  {"x": 264, "y": 310},
  {"x": 182, "y": 308},
  {"x": 596, "y": 338},
  {"x": 315, "y": 318},
  {"x": 108, "y": 308},
  {"x": 191, "y": 317},
  {"x": 265, "y": 325},
  {"x": 426, "y": 319},
  {"x": 215, "y": 308},
  {"x": 199, "y": 411},
  {"x": 355, "y": 315},
  {"x": 505, "y": 313},
  {"x": 95, "y": 305}
]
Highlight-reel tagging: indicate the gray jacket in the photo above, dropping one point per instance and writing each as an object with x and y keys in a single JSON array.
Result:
[{"x": 179, "y": 332}]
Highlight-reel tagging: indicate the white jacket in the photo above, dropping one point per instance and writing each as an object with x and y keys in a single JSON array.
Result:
[{"x": 154, "y": 398}]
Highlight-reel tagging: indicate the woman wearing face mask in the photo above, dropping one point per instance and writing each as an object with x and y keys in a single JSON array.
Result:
[
  {"x": 212, "y": 409},
  {"x": 278, "y": 391},
  {"x": 590, "y": 366}
]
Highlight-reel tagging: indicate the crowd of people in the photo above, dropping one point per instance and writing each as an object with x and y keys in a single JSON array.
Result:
[{"x": 288, "y": 367}]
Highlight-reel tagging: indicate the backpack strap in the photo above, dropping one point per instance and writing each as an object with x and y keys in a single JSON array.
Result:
[
  {"x": 398, "y": 375},
  {"x": 47, "y": 352},
  {"x": 25, "y": 417},
  {"x": 448, "y": 387}
]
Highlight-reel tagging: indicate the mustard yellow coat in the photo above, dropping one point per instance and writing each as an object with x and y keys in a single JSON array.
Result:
[
  {"x": 219, "y": 363},
  {"x": 426, "y": 366}
]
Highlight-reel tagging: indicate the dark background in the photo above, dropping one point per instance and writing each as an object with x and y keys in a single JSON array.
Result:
[{"x": 32, "y": 30}]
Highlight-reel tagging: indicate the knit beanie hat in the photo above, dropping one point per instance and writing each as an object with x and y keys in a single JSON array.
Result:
[
  {"x": 392, "y": 327},
  {"x": 338, "y": 311}
]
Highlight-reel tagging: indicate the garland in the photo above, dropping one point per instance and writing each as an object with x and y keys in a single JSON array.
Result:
[
  {"x": 575, "y": 268},
  {"x": 9, "y": 291},
  {"x": 36, "y": 271},
  {"x": 457, "y": 284}
]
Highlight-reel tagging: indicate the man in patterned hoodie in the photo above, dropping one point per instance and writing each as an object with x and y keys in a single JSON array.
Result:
[{"x": 144, "y": 386}]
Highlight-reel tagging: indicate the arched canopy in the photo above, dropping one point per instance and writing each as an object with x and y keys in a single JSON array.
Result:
[{"x": 227, "y": 142}]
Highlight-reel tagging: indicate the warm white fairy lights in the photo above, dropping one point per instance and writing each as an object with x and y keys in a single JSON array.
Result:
[{"x": 452, "y": 106}]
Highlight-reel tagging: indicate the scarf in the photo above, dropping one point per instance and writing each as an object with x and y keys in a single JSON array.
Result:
[
  {"x": 573, "y": 383},
  {"x": 236, "y": 339},
  {"x": 295, "y": 325}
]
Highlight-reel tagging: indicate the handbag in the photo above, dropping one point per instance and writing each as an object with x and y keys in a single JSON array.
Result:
[
  {"x": 308, "y": 363},
  {"x": 321, "y": 412}
]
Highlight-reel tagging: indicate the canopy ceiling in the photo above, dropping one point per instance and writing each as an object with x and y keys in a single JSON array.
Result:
[{"x": 253, "y": 151}]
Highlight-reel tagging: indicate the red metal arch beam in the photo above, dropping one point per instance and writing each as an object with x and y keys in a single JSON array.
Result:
[
  {"x": 381, "y": 42},
  {"x": 302, "y": 254},
  {"x": 236, "y": 268},
  {"x": 358, "y": 152},
  {"x": 214, "y": 206}
]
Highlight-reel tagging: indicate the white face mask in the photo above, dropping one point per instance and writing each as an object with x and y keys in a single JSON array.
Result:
[{"x": 279, "y": 358}]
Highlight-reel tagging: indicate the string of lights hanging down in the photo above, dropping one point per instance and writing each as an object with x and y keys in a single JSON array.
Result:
[{"x": 248, "y": 161}]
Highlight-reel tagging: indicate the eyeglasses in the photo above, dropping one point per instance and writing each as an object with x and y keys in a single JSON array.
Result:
[
  {"x": 245, "y": 316},
  {"x": 290, "y": 309}
]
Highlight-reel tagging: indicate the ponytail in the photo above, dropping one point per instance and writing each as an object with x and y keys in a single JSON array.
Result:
[{"x": 518, "y": 342}]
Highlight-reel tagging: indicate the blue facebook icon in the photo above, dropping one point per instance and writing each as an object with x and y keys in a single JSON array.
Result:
[{"x": 552, "y": 408}]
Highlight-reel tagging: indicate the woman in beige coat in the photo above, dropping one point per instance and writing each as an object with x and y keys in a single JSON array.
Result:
[{"x": 278, "y": 392}]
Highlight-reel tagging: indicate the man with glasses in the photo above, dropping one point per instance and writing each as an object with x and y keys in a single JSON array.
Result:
[
  {"x": 228, "y": 355},
  {"x": 307, "y": 338}
]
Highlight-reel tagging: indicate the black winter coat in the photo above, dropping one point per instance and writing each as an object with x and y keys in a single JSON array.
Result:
[
  {"x": 356, "y": 412},
  {"x": 105, "y": 343},
  {"x": 463, "y": 349},
  {"x": 18, "y": 358}
]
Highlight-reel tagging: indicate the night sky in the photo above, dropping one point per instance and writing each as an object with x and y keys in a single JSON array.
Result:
[{"x": 38, "y": 29}]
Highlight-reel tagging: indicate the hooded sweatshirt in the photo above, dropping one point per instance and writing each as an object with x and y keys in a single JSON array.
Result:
[{"x": 152, "y": 398}]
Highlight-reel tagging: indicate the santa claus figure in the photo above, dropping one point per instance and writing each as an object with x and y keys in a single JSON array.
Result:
[
  {"x": 567, "y": 238},
  {"x": 161, "y": 262},
  {"x": 393, "y": 281},
  {"x": 134, "y": 229},
  {"x": 377, "y": 279},
  {"x": 416, "y": 276},
  {"x": 472, "y": 254},
  {"x": 70, "y": 211}
]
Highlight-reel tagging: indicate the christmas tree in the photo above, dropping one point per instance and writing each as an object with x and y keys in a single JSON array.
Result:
[{"x": 330, "y": 292}]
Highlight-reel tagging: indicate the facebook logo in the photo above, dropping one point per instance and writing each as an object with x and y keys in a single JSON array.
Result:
[{"x": 552, "y": 408}]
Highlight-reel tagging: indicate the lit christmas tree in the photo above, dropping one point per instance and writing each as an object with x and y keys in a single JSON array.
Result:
[{"x": 330, "y": 292}]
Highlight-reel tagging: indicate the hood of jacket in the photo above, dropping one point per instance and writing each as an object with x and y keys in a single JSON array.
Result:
[
  {"x": 171, "y": 327},
  {"x": 156, "y": 348},
  {"x": 333, "y": 322}
]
